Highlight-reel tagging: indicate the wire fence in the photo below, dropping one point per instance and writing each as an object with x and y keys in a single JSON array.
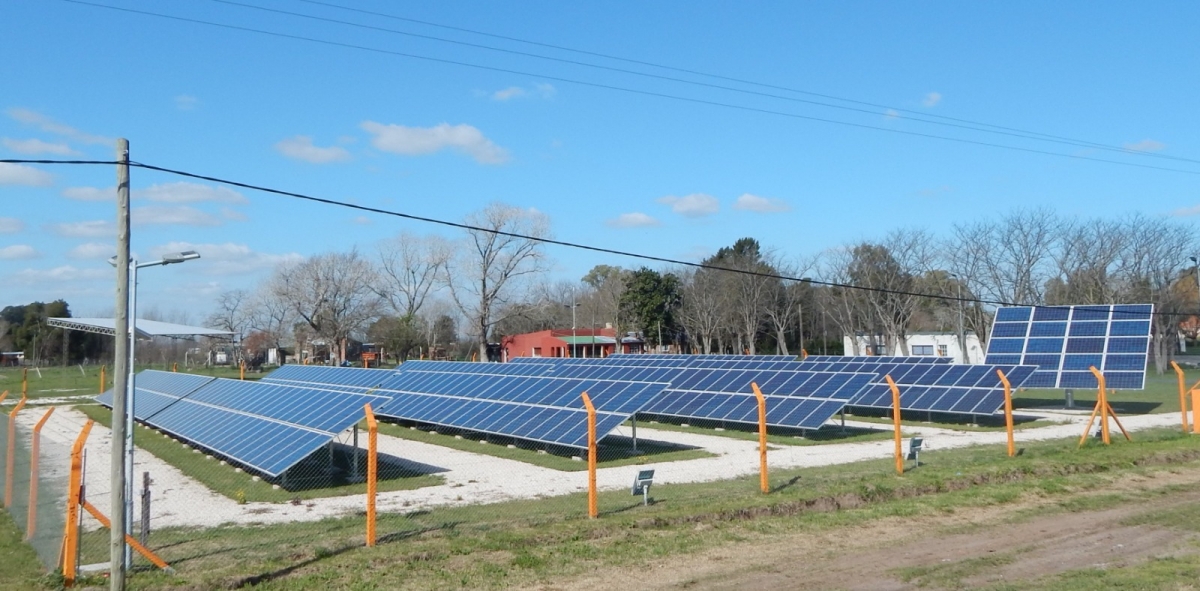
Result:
[{"x": 222, "y": 522}]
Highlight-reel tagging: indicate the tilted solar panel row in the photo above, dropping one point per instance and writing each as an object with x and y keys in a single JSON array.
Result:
[
  {"x": 268, "y": 427},
  {"x": 877, "y": 359}
]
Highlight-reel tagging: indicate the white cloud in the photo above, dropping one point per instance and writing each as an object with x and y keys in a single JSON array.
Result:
[
  {"x": 89, "y": 229},
  {"x": 545, "y": 91},
  {"x": 692, "y": 206},
  {"x": 932, "y": 99},
  {"x": 891, "y": 114},
  {"x": 93, "y": 250},
  {"x": 508, "y": 93},
  {"x": 1186, "y": 211},
  {"x": 182, "y": 192},
  {"x": 19, "y": 174},
  {"x": 36, "y": 146},
  {"x": 90, "y": 193},
  {"x": 186, "y": 102},
  {"x": 18, "y": 252},
  {"x": 1146, "y": 145},
  {"x": 48, "y": 125},
  {"x": 227, "y": 258},
  {"x": 362, "y": 220},
  {"x": 11, "y": 225},
  {"x": 416, "y": 141},
  {"x": 301, "y": 147},
  {"x": 748, "y": 202},
  {"x": 60, "y": 274},
  {"x": 173, "y": 215},
  {"x": 178, "y": 192},
  {"x": 632, "y": 220}
]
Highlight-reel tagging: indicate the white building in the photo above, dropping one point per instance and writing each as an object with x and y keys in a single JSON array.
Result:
[{"x": 933, "y": 344}]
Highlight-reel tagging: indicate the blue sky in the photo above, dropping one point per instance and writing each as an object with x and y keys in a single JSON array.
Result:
[{"x": 660, "y": 176}]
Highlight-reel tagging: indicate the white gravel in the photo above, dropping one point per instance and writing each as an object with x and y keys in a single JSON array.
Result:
[{"x": 474, "y": 478}]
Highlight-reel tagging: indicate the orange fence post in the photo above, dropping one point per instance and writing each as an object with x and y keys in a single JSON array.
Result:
[
  {"x": 1008, "y": 416},
  {"x": 896, "y": 424},
  {"x": 803, "y": 354},
  {"x": 71, "y": 539},
  {"x": 1195, "y": 411},
  {"x": 1183, "y": 410},
  {"x": 10, "y": 456},
  {"x": 174, "y": 367},
  {"x": 31, "y": 519},
  {"x": 372, "y": 475},
  {"x": 593, "y": 505},
  {"x": 242, "y": 366},
  {"x": 133, "y": 543},
  {"x": 102, "y": 380},
  {"x": 24, "y": 382},
  {"x": 763, "y": 482}
]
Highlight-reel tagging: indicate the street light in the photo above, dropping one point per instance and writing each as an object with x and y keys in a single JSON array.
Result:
[
  {"x": 168, "y": 259},
  {"x": 572, "y": 306},
  {"x": 962, "y": 336}
]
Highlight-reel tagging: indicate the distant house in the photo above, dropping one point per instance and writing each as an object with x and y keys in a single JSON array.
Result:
[
  {"x": 12, "y": 358},
  {"x": 933, "y": 344},
  {"x": 580, "y": 342}
]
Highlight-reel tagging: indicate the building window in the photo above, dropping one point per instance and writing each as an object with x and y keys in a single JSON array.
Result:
[
  {"x": 942, "y": 351},
  {"x": 923, "y": 349},
  {"x": 878, "y": 350},
  {"x": 537, "y": 352}
]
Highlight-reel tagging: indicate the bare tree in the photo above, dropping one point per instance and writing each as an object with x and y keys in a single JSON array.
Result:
[
  {"x": 704, "y": 304},
  {"x": 1087, "y": 253},
  {"x": 493, "y": 262},
  {"x": 844, "y": 305},
  {"x": 784, "y": 299},
  {"x": 271, "y": 316},
  {"x": 1151, "y": 271},
  {"x": 331, "y": 293},
  {"x": 409, "y": 268}
]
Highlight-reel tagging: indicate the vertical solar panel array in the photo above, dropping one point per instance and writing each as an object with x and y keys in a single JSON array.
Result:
[{"x": 1064, "y": 341}]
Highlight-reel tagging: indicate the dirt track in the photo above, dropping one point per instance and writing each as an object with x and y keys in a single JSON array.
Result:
[{"x": 1006, "y": 543}]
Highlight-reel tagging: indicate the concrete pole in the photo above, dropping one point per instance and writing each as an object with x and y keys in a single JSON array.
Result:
[
  {"x": 131, "y": 386},
  {"x": 121, "y": 375}
]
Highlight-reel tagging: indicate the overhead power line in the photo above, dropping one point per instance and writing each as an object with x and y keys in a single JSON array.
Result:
[
  {"x": 636, "y": 91},
  {"x": 564, "y": 243},
  {"x": 914, "y": 115}
]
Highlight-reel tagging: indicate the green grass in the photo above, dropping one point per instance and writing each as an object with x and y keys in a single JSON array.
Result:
[
  {"x": 612, "y": 450},
  {"x": 543, "y": 541},
  {"x": 956, "y": 422},
  {"x": 48, "y": 382},
  {"x": 951, "y": 574},
  {"x": 1166, "y": 573},
  {"x": 240, "y": 486},
  {"x": 775, "y": 436},
  {"x": 19, "y": 565},
  {"x": 1161, "y": 395}
]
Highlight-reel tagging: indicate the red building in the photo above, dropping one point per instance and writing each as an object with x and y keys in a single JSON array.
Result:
[{"x": 582, "y": 342}]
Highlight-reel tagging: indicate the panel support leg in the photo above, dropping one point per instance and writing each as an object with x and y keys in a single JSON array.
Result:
[{"x": 633, "y": 418}]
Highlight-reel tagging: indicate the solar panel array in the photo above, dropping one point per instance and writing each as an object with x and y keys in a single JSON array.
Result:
[
  {"x": 876, "y": 359},
  {"x": 504, "y": 399},
  {"x": 350, "y": 379},
  {"x": 1064, "y": 341},
  {"x": 268, "y": 427},
  {"x": 718, "y": 387},
  {"x": 951, "y": 388}
]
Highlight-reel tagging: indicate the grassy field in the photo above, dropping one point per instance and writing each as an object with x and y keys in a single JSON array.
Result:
[
  {"x": 225, "y": 480},
  {"x": 75, "y": 381},
  {"x": 541, "y": 542},
  {"x": 612, "y": 450},
  {"x": 19, "y": 566}
]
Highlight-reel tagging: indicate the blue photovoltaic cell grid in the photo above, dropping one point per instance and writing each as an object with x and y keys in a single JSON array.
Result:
[
  {"x": 876, "y": 359},
  {"x": 1065, "y": 341},
  {"x": 498, "y": 399},
  {"x": 268, "y": 427},
  {"x": 351, "y": 379},
  {"x": 967, "y": 389},
  {"x": 704, "y": 387}
]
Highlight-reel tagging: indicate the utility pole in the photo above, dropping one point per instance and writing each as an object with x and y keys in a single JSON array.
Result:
[
  {"x": 962, "y": 335},
  {"x": 116, "y": 488}
]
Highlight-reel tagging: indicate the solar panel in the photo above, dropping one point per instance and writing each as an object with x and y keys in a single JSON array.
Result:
[
  {"x": 1065, "y": 341},
  {"x": 497, "y": 399},
  {"x": 877, "y": 359},
  {"x": 268, "y": 427},
  {"x": 707, "y": 387},
  {"x": 351, "y": 379},
  {"x": 949, "y": 388}
]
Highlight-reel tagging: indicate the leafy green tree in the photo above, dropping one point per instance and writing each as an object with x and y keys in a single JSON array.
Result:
[{"x": 649, "y": 303}]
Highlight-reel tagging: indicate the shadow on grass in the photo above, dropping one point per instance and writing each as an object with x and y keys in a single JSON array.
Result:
[
  {"x": 627, "y": 508},
  {"x": 786, "y": 485},
  {"x": 320, "y": 555}
]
